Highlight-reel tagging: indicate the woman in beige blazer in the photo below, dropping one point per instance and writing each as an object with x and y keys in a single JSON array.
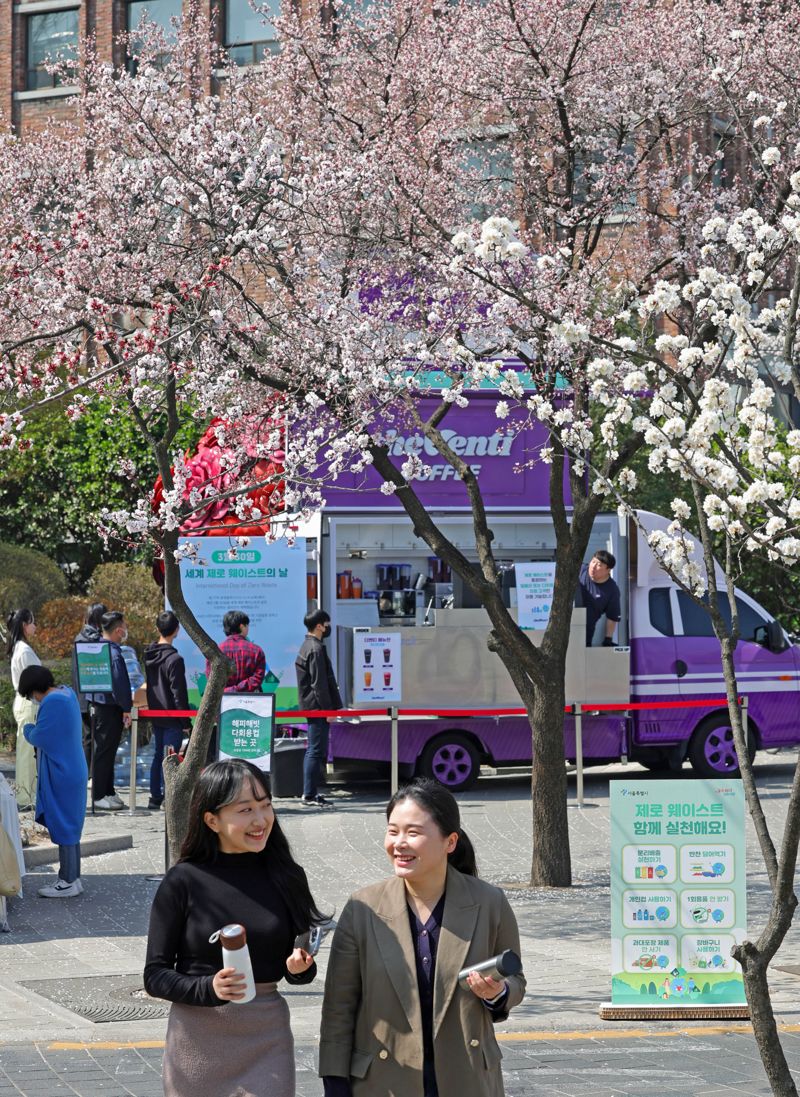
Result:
[{"x": 395, "y": 1022}]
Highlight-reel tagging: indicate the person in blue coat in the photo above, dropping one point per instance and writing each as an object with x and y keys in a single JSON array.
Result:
[{"x": 61, "y": 793}]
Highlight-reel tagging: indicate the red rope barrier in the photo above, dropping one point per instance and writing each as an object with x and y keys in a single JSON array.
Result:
[{"x": 617, "y": 706}]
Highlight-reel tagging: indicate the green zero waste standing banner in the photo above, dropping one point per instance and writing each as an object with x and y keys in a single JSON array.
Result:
[
  {"x": 93, "y": 660},
  {"x": 678, "y": 892},
  {"x": 246, "y": 727}
]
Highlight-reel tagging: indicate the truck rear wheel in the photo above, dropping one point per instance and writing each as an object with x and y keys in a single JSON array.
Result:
[
  {"x": 452, "y": 760},
  {"x": 712, "y": 751}
]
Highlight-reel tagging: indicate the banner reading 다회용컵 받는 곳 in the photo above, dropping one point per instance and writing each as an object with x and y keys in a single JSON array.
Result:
[{"x": 678, "y": 892}]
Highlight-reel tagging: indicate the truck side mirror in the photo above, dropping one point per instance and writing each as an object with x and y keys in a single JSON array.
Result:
[{"x": 771, "y": 636}]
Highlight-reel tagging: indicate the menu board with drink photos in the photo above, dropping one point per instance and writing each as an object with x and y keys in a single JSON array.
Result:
[{"x": 376, "y": 667}]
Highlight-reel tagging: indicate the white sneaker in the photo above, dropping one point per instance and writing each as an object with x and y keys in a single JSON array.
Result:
[
  {"x": 61, "y": 890},
  {"x": 116, "y": 800},
  {"x": 107, "y": 804}
]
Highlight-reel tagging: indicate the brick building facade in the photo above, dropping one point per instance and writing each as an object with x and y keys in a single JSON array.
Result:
[{"x": 32, "y": 32}]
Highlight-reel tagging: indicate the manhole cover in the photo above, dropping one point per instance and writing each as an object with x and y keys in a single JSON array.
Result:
[{"x": 102, "y": 998}]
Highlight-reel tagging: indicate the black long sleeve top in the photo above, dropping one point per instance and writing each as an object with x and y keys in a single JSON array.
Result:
[{"x": 192, "y": 902}]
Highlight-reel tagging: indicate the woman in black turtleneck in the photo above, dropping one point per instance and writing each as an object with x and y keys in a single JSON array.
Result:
[{"x": 235, "y": 866}]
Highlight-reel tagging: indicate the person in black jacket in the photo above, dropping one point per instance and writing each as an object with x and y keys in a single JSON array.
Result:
[
  {"x": 165, "y": 675},
  {"x": 112, "y": 714},
  {"x": 317, "y": 689},
  {"x": 91, "y": 632}
]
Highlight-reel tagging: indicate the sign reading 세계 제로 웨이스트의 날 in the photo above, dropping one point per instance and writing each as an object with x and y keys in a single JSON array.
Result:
[
  {"x": 247, "y": 727},
  {"x": 265, "y": 581},
  {"x": 678, "y": 892}
]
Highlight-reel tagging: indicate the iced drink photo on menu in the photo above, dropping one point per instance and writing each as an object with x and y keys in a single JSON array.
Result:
[
  {"x": 368, "y": 678},
  {"x": 387, "y": 654},
  {"x": 387, "y": 677},
  {"x": 367, "y": 655}
]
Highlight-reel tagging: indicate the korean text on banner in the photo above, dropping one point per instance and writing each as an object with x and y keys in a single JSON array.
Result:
[
  {"x": 247, "y": 727},
  {"x": 93, "y": 660},
  {"x": 265, "y": 581},
  {"x": 535, "y": 582},
  {"x": 678, "y": 892}
]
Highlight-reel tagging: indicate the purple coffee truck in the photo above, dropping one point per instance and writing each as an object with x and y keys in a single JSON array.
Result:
[{"x": 366, "y": 567}]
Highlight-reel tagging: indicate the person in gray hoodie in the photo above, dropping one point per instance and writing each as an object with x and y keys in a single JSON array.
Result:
[
  {"x": 165, "y": 675},
  {"x": 317, "y": 689}
]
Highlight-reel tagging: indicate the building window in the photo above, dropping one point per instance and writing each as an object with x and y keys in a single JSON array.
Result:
[
  {"x": 489, "y": 170},
  {"x": 165, "y": 14},
  {"x": 52, "y": 37},
  {"x": 250, "y": 33}
]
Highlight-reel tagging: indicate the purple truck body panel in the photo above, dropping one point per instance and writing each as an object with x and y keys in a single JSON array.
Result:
[{"x": 770, "y": 681}]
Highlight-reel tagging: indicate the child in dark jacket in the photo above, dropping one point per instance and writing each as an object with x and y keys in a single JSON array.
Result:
[{"x": 165, "y": 674}]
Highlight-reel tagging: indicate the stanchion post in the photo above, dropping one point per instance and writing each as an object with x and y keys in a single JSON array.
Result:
[
  {"x": 744, "y": 718},
  {"x": 134, "y": 752},
  {"x": 91, "y": 750},
  {"x": 579, "y": 752},
  {"x": 395, "y": 776}
]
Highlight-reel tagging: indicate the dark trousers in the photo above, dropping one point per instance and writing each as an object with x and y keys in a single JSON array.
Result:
[
  {"x": 316, "y": 755},
  {"x": 107, "y": 737},
  {"x": 69, "y": 863},
  {"x": 166, "y": 736}
]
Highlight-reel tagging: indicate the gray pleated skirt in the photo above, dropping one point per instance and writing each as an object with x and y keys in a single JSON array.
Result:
[{"x": 231, "y": 1050}]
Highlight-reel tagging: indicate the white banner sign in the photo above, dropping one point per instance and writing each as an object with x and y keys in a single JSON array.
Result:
[
  {"x": 376, "y": 667},
  {"x": 535, "y": 581}
]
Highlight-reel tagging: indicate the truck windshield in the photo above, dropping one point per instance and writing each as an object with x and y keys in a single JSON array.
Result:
[{"x": 697, "y": 621}]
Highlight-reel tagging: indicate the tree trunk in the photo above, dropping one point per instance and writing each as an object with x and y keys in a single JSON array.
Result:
[
  {"x": 180, "y": 779},
  {"x": 550, "y": 860},
  {"x": 754, "y": 967}
]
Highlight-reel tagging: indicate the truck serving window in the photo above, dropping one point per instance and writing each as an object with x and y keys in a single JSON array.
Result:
[
  {"x": 661, "y": 611},
  {"x": 697, "y": 621}
]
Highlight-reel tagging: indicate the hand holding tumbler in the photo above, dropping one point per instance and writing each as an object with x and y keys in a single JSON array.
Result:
[{"x": 498, "y": 967}]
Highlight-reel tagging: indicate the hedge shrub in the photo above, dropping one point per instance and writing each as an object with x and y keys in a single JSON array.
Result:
[
  {"x": 28, "y": 579},
  {"x": 131, "y": 589},
  {"x": 57, "y": 624},
  {"x": 61, "y": 668}
]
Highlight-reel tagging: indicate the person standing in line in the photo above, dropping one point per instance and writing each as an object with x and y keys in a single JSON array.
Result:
[
  {"x": 395, "y": 1019},
  {"x": 235, "y": 867},
  {"x": 317, "y": 689},
  {"x": 166, "y": 689},
  {"x": 599, "y": 594},
  {"x": 249, "y": 660},
  {"x": 112, "y": 715},
  {"x": 61, "y": 795},
  {"x": 21, "y": 631},
  {"x": 91, "y": 632}
]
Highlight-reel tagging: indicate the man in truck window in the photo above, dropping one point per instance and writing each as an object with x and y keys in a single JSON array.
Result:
[{"x": 599, "y": 594}]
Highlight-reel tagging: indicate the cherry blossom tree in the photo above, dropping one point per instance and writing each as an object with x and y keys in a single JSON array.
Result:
[
  {"x": 475, "y": 193},
  {"x": 720, "y": 425}
]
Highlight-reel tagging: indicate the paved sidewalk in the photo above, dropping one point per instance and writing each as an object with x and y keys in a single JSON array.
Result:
[{"x": 554, "y": 1043}]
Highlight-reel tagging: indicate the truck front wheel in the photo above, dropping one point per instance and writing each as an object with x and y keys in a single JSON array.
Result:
[
  {"x": 712, "y": 751},
  {"x": 452, "y": 760}
]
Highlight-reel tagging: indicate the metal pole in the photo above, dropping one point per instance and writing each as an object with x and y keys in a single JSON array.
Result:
[
  {"x": 134, "y": 752},
  {"x": 579, "y": 752},
  {"x": 744, "y": 719},
  {"x": 91, "y": 748},
  {"x": 395, "y": 760}
]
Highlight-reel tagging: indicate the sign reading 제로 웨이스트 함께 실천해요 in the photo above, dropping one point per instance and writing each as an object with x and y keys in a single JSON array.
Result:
[{"x": 678, "y": 892}]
